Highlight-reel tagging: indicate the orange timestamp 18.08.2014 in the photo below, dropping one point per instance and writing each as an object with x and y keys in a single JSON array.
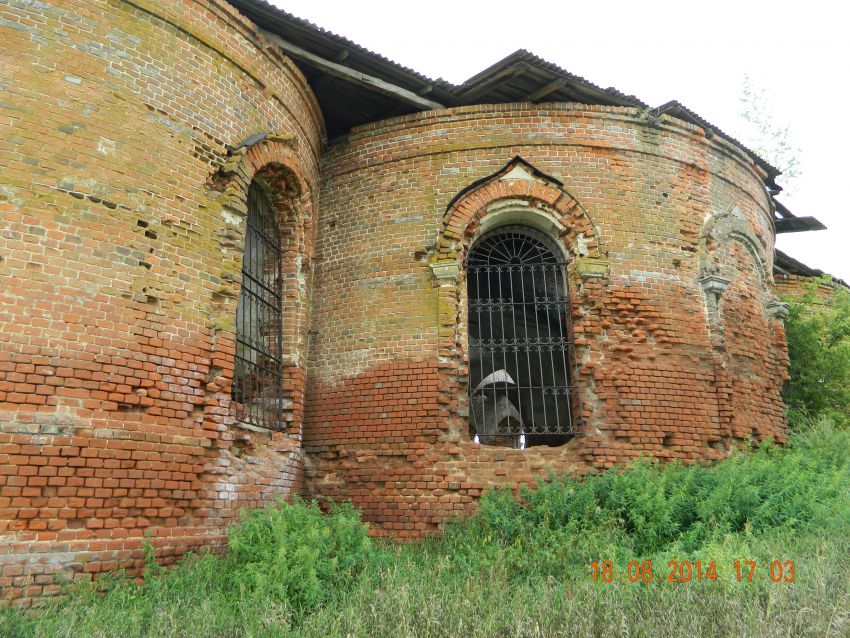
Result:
[{"x": 686, "y": 571}]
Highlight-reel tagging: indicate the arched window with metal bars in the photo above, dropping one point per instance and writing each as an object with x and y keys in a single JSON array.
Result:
[
  {"x": 522, "y": 388},
  {"x": 258, "y": 371}
]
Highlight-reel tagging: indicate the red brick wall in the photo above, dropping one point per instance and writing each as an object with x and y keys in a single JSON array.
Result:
[
  {"x": 755, "y": 353},
  {"x": 122, "y": 218},
  {"x": 796, "y": 285},
  {"x": 656, "y": 208}
]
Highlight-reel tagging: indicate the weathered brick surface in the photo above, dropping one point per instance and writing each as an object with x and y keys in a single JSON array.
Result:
[
  {"x": 122, "y": 207},
  {"x": 122, "y": 215},
  {"x": 797, "y": 285},
  {"x": 665, "y": 367}
]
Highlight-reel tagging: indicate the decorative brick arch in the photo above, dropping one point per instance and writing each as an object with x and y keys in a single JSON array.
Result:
[
  {"x": 518, "y": 184},
  {"x": 720, "y": 229},
  {"x": 274, "y": 159},
  {"x": 271, "y": 158},
  {"x": 742, "y": 313},
  {"x": 732, "y": 225},
  {"x": 518, "y": 193}
]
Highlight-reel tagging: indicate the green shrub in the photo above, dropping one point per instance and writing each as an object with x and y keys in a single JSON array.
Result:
[
  {"x": 519, "y": 566},
  {"x": 650, "y": 508},
  {"x": 295, "y": 553},
  {"x": 818, "y": 333}
]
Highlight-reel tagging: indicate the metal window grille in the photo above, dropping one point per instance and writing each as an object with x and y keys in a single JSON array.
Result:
[
  {"x": 522, "y": 389},
  {"x": 258, "y": 370}
]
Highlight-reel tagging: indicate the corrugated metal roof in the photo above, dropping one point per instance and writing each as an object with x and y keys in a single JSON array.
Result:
[
  {"x": 521, "y": 76},
  {"x": 528, "y": 64},
  {"x": 679, "y": 110},
  {"x": 784, "y": 264},
  {"x": 268, "y": 16}
]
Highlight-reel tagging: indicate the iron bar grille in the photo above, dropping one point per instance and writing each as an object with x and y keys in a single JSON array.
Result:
[
  {"x": 258, "y": 370},
  {"x": 522, "y": 389}
]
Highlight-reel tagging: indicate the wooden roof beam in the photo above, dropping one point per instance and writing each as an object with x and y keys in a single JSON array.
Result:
[
  {"x": 797, "y": 225},
  {"x": 350, "y": 75},
  {"x": 507, "y": 73},
  {"x": 543, "y": 91}
]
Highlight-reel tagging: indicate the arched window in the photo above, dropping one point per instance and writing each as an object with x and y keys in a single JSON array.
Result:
[
  {"x": 521, "y": 374},
  {"x": 258, "y": 370}
]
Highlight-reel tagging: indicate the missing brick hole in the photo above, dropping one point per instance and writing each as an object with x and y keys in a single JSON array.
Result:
[
  {"x": 150, "y": 234},
  {"x": 668, "y": 440},
  {"x": 145, "y": 264},
  {"x": 242, "y": 442},
  {"x": 142, "y": 223},
  {"x": 132, "y": 408}
]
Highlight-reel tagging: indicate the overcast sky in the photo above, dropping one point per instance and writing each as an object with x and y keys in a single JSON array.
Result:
[{"x": 697, "y": 53}]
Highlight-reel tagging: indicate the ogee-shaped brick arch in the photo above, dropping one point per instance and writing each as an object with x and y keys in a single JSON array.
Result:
[{"x": 517, "y": 194}]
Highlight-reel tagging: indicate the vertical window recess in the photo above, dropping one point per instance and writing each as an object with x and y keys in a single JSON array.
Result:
[
  {"x": 522, "y": 388},
  {"x": 258, "y": 371}
]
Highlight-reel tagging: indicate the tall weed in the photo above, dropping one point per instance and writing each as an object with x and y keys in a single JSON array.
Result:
[
  {"x": 295, "y": 553},
  {"x": 521, "y": 565}
]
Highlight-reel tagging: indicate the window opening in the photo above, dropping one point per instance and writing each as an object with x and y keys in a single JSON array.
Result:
[
  {"x": 258, "y": 371},
  {"x": 522, "y": 384}
]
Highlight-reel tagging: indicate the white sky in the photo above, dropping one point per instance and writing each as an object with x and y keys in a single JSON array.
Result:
[{"x": 697, "y": 53}]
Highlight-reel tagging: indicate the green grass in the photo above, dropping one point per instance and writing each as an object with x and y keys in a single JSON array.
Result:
[{"x": 521, "y": 566}]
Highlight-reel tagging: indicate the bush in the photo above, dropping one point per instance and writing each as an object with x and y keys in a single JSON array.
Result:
[
  {"x": 520, "y": 566},
  {"x": 651, "y": 508},
  {"x": 818, "y": 333},
  {"x": 295, "y": 553}
]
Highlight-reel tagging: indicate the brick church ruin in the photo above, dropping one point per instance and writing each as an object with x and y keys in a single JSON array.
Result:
[{"x": 244, "y": 258}]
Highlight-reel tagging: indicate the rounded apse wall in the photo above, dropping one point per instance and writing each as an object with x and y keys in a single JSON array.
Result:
[
  {"x": 122, "y": 208},
  {"x": 669, "y": 240}
]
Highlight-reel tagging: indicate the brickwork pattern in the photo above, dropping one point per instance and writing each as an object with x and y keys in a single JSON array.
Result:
[
  {"x": 122, "y": 209},
  {"x": 122, "y": 214},
  {"x": 796, "y": 285},
  {"x": 629, "y": 202}
]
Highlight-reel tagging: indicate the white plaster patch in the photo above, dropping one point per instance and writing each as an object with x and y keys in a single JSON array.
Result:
[
  {"x": 519, "y": 172},
  {"x": 299, "y": 272},
  {"x": 231, "y": 217},
  {"x": 106, "y": 146},
  {"x": 226, "y": 491},
  {"x": 581, "y": 245},
  {"x": 643, "y": 275}
]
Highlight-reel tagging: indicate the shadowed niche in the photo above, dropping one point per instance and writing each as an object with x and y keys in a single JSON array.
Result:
[{"x": 521, "y": 385}]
